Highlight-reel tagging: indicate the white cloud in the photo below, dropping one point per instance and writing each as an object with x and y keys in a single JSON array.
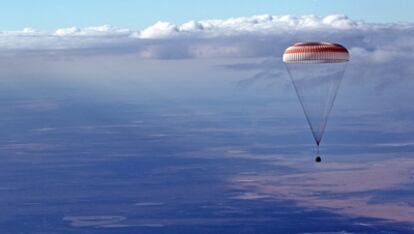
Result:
[
  {"x": 66, "y": 31},
  {"x": 264, "y": 24},
  {"x": 159, "y": 30},
  {"x": 339, "y": 21},
  {"x": 104, "y": 30}
]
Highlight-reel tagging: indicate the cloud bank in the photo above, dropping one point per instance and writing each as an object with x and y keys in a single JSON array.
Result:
[{"x": 255, "y": 36}]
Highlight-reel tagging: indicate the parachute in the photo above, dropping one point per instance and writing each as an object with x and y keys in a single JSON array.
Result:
[{"x": 316, "y": 70}]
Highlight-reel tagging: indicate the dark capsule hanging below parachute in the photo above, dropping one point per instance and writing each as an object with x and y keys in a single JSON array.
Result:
[{"x": 316, "y": 70}]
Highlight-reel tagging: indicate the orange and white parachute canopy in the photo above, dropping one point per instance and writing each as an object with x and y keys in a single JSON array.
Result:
[{"x": 316, "y": 52}]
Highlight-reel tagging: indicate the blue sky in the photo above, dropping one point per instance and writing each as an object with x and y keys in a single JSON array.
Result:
[{"x": 52, "y": 14}]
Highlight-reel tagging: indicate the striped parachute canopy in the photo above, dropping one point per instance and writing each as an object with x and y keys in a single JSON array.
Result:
[
  {"x": 316, "y": 52},
  {"x": 316, "y": 70}
]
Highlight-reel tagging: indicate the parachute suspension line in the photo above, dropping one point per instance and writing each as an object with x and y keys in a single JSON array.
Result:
[
  {"x": 302, "y": 104},
  {"x": 300, "y": 98},
  {"x": 317, "y": 147}
]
